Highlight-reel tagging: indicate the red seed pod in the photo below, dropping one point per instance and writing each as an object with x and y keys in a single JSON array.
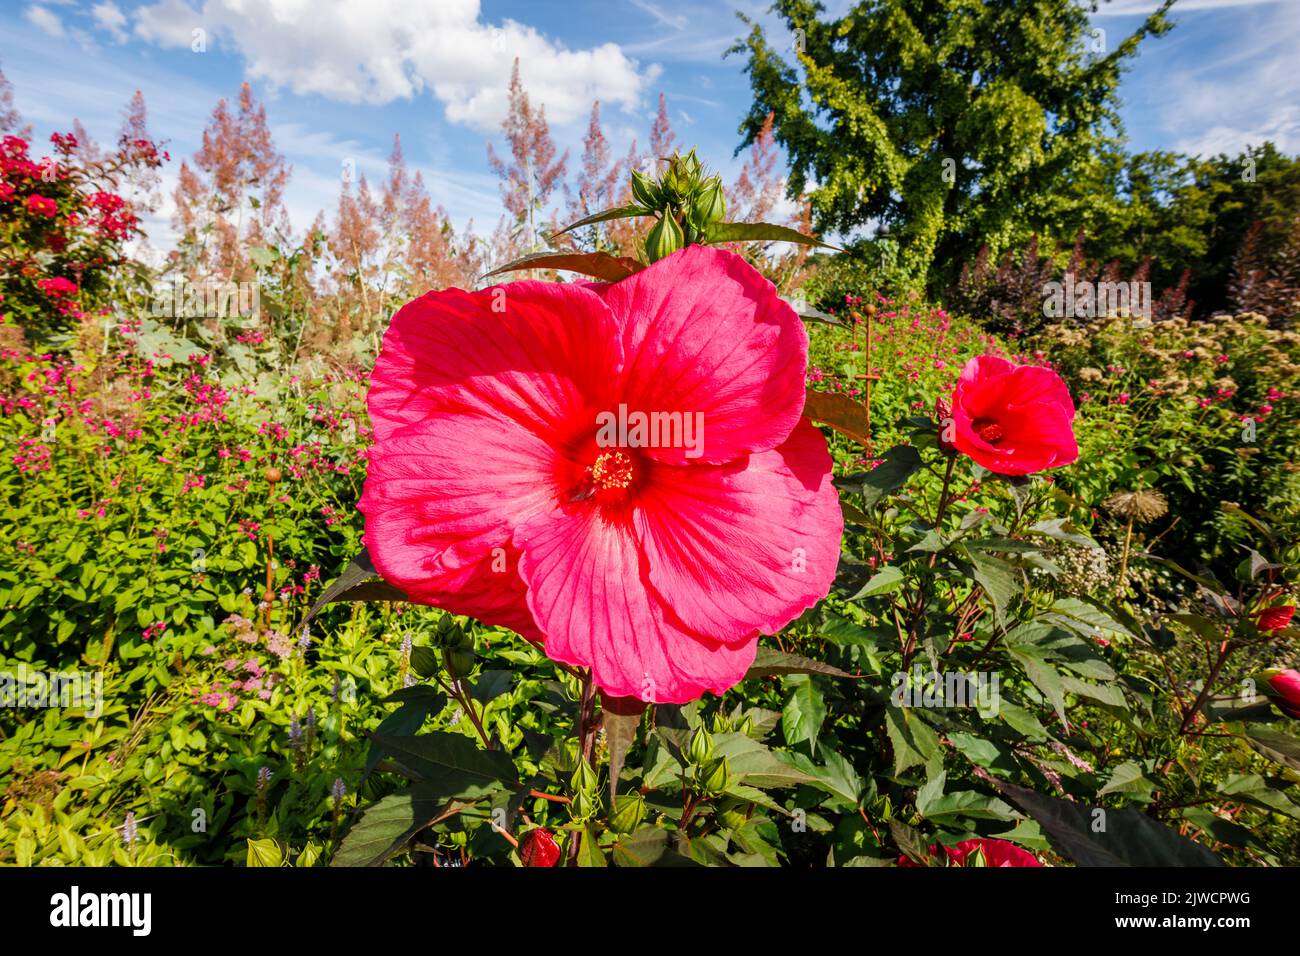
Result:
[{"x": 538, "y": 848}]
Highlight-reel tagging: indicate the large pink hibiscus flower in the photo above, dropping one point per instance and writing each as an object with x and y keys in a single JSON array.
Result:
[{"x": 493, "y": 491}]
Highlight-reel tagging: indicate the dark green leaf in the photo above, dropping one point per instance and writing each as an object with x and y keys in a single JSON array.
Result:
[
  {"x": 621, "y": 212},
  {"x": 769, "y": 661},
  {"x": 1124, "y": 837},
  {"x": 759, "y": 231}
]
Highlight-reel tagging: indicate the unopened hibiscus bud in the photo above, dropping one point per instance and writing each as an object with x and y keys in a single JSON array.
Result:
[
  {"x": 701, "y": 747},
  {"x": 710, "y": 203},
  {"x": 677, "y": 182},
  {"x": 458, "y": 660},
  {"x": 583, "y": 806},
  {"x": 629, "y": 811},
  {"x": 584, "y": 779},
  {"x": 665, "y": 238},
  {"x": 645, "y": 191},
  {"x": 537, "y": 847},
  {"x": 1274, "y": 618},
  {"x": 716, "y": 777},
  {"x": 1286, "y": 687}
]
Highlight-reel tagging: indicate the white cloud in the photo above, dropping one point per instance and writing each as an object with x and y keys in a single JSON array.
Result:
[
  {"x": 46, "y": 20},
  {"x": 382, "y": 50},
  {"x": 1243, "y": 97},
  {"x": 112, "y": 19}
]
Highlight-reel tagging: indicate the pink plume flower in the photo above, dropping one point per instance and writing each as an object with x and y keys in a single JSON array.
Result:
[
  {"x": 1013, "y": 419},
  {"x": 491, "y": 493}
]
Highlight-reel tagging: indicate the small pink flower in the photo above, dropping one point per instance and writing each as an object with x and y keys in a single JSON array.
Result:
[{"x": 42, "y": 206}]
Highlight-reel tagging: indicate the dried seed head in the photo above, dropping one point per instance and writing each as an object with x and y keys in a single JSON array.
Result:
[{"x": 1137, "y": 506}]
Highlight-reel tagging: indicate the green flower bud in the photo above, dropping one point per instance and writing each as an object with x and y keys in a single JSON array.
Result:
[
  {"x": 583, "y": 806},
  {"x": 459, "y": 661},
  {"x": 710, "y": 204},
  {"x": 715, "y": 778},
  {"x": 745, "y": 726},
  {"x": 629, "y": 811},
  {"x": 645, "y": 191},
  {"x": 664, "y": 239},
  {"x": 584, "y": 779},
  {"x": 701, "y": 747}
]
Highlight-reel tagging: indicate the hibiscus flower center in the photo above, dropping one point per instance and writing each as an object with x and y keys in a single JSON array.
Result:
[
  {"x": 988, "y": 429},
  {"x": 611, "y": 475}
]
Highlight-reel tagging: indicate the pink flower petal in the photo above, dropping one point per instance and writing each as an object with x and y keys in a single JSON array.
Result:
[
  {"x": 439, "y": 518},
  {"x": 530, "y": 352},
  {"x": 747, "y": 545},
  {"x": 703, "y": 331},
  {"x": 588, "y": 593}
]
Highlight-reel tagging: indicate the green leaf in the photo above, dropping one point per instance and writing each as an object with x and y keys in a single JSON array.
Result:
[
  {"x": 759, "y": 231},
  {"x": 620, "y": 212},
  {"x": 1055, "y": 528},
  {"x": 998, "y": 580},
  {"x": 804, "y": 712},
  {"x": 899, "y": 464},
  {"x": 806, "y": 311},
  {"x": 491, "y": 684},
  {"x": 601, "y": 265},
  {"x": 948, "y": 807},
  {"x": 643, "y": 847},
  {"x": 1128, "y": 779},
  {"x": 451, "y": 764},
  {"x": 1274, "y": 745},
  {"x": 358, "y": 582},
  {"x": 1124, "y": 837},
  {"x": 913, "y": 739},
  {"x": 589, "y": 852},
  {"x": 887, "y": 579},
  {"x": 1043, "y": 675},
  {"x": 407, "y": 719},
  {"x": 838, "y": 777},
  {"x": 1087, "y": 619},
  {"x": 769, "y": 661},
  {"x": 621, "y": 722},
  {"x": 386, "y": 826},
  {"x": 755, "y": 765}
]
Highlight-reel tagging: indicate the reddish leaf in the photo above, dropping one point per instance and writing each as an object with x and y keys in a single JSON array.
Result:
[{"x": 840, "y": 412}]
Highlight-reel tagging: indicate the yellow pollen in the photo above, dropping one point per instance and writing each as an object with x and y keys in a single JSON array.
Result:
[{"x": 612, "y": 471}]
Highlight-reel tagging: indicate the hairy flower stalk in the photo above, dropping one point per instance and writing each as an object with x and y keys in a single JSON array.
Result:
[{"x": 1141, "y": 507}]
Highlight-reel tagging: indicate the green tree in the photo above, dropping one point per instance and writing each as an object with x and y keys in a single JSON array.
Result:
[
  {"x": 1193, "y": 213},
  {"x": 952, "y": 123}
]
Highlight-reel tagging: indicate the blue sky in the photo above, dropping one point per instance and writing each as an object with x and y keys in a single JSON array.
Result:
[{"x": 340, "y": 77}]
